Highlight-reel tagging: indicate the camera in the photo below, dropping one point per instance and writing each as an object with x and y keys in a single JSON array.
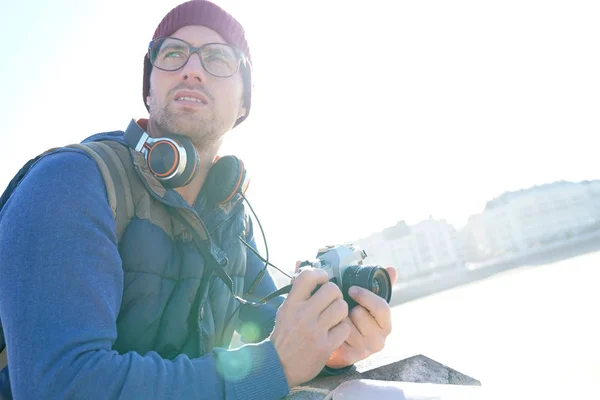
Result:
[{"x": 344, "y": 265}]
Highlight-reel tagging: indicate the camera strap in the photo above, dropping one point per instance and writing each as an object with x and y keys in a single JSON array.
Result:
[{"x": 213, "y": 264}]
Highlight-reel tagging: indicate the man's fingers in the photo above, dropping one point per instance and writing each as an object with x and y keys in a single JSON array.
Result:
[
  {"x": 335, "y": 313},
  {"x": 355, "y": 338},
  {"x": 338, "y": 335},
  {"x": 306, "y": 282},
  {"x": 344, "y": 356},
  {"x": 364, "y": 322},
  {"x": 393, "y": 273},
  {"x": 324, "y": 296},
  {"x": 377, "y": 307}
]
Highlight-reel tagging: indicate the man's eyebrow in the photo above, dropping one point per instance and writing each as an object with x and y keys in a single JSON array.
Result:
[
  {"x": 224, "y": 51},
  {"x": 177, "y": 45}
]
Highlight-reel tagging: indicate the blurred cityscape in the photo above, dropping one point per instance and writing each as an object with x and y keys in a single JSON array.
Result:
[{"x": 511, "y": 226}]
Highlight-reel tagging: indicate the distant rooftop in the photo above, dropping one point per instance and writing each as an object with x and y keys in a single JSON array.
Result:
[{"x": 506, "y": 197}]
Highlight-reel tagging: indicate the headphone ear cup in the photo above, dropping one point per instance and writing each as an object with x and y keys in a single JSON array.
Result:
[
  {"x": 191, "y": 168},
  {"x": 226, "y": 177},
  {"x": 192, "y": 164}
]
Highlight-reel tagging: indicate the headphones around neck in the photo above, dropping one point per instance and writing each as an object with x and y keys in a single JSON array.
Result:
[{"x": 174, "y": 162}]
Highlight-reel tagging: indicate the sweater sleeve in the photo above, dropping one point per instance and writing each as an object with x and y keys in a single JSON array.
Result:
[{"x": 60, "y": 295}]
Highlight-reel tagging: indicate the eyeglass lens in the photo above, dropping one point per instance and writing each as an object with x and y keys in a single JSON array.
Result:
[{"x": 218, "y": 59}]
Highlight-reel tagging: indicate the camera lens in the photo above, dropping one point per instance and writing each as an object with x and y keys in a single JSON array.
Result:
[
  {"x": 371, "y": 277},
  {"x": 376, "y": 286}
]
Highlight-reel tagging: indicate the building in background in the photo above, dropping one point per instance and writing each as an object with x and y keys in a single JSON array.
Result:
[
  {"x": 531, "y": 218},
  {"x": 415, "y": 250},
  {"x": 509, "y": 225}
]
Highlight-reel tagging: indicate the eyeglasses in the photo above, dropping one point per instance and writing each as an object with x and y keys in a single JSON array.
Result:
[{"x": 218, "y": 59}]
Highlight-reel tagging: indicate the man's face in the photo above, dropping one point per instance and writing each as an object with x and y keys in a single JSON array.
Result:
[{"x": 172, "y": 111}]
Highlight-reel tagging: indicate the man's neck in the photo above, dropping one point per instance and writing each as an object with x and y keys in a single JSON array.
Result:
[
  {"x": 207, "y": 155},
  {"x": 190, "y": 192}
]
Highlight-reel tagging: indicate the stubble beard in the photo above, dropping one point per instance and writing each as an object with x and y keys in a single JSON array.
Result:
[{"x": 204, "y": 131}]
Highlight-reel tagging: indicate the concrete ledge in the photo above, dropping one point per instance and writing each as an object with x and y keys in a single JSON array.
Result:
[{"x": 418, "y": 369}]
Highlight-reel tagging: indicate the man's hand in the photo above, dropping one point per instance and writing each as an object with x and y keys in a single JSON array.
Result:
[
  {"x": 370, "y": 322},
  {"x": 308, "y": 328}
]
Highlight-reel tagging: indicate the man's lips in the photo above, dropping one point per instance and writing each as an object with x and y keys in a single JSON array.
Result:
[{"x": 190, "y": 97}]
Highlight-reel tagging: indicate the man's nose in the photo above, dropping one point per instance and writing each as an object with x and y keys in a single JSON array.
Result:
[{"x": 193, "y": 69}]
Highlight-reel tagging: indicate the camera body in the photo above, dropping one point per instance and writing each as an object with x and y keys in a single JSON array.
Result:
[{"x": 344, "y": 265}]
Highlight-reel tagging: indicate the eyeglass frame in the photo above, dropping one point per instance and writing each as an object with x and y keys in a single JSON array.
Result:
[{"x": 196, "y": 50}]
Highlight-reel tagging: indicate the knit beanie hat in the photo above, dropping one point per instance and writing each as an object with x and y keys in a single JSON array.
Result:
[{"x": 202, "y": 12}]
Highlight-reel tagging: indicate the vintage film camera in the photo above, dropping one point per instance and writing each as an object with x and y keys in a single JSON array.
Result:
[{"x": 344, "y": 265}]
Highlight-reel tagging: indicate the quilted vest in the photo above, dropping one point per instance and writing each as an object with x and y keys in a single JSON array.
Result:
[{"x": 172, "y": 301}]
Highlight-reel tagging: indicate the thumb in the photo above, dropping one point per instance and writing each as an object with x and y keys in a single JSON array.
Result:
[{"x": 393, "y": 272}]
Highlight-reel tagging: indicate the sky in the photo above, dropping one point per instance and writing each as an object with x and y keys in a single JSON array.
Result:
[{"x": 364, "y": 113}]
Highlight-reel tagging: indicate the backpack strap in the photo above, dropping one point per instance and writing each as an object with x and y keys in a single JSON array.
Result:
[
  {"x": 118, "y": 188},
  {"x": 12, "y": 185},
  {"x": 118, "y": 191}
]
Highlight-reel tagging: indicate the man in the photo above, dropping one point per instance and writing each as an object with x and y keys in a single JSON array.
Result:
[{"x": 86, "y": 314}]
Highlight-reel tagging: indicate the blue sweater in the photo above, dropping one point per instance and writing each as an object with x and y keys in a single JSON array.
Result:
[{"x": 60, "y": 291}]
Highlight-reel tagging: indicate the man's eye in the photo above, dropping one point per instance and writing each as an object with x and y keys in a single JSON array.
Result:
[
  {"x": 173, "y": 54},
  {"x": 216, "y": 59}
]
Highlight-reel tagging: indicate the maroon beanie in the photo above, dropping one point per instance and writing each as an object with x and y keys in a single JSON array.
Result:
[{"x": 202, "y": 12}]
